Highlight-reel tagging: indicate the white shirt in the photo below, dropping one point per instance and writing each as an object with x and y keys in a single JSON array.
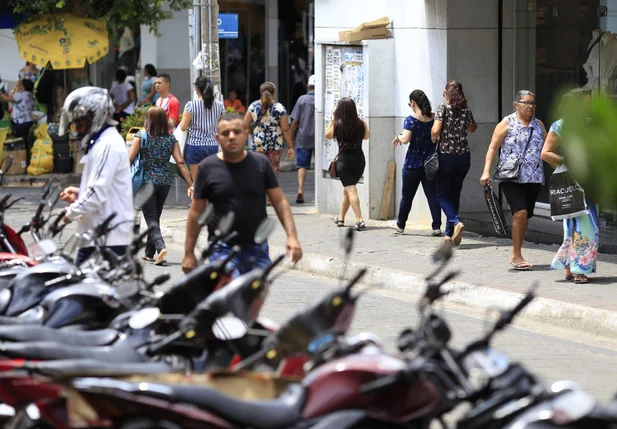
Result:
[
  {"x": 106, "y": 187},
  {"x": 120, "y": 91}
]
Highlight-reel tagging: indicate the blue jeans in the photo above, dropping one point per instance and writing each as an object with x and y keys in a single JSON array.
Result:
[
  {"x": 412, "y": 177},
  {"x": 449, "y": 184},
  {"x": 251, "y": 257}
]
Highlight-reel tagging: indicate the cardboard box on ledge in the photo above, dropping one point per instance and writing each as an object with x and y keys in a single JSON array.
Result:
[{"x": 376, "y": 29}]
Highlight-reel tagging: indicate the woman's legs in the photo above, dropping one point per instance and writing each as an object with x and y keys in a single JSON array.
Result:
[
  {"x": 520, "y": 221},
  {"x": 275, "y": 159},
  {"x": 152, "y": 213},
  {"x": 344, "y": 206},
  {"x": 411, "y": 181},
  {"x": 433, "y": 202},
  {"x": 354, "y": 200}
]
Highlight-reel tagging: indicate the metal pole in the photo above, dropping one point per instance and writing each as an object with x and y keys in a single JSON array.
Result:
[{"x": 311, "y": 38}]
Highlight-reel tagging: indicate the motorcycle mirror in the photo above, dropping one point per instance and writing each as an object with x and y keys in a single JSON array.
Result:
[
  {"x": 54, "y": 196},
  {"x": 6, "y": 164},
  {"x": 229, "y": 328},
  {"x": 144, "y": 317},
  {"x": 226, "y": 223},
  {"x": 46, "y": 188},
  {"x": 43, "y": 248},
  {"x": 348, "y": 241},
  {"x": 206, "y": 216},
  {"x": 127, "y": 289},
  {"x": 264, "y": 230},
  {"x": 143, "y": 195}
]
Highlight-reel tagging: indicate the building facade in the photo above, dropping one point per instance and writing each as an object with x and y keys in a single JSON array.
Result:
[{"x": 495, "y": 48}]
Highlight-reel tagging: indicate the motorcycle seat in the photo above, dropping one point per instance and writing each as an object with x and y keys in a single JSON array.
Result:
[
  {"x": 272, "y": 414},
  {"x": 57, "y": 351},
  {"x": 96, "y": 368},
  {"x": 12, "y": 321},
  {"x": 32, "y": 333}
]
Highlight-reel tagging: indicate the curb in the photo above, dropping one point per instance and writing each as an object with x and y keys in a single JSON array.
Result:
[
  {"x": 24, "y": 180},
  {"x": 549, "y": 311}
]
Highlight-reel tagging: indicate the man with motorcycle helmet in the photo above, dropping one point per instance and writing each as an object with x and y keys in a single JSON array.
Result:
[{"x": 106, "y": 182}]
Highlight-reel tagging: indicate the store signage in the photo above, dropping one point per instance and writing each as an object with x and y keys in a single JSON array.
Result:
[{"x": 228, "y": 25}]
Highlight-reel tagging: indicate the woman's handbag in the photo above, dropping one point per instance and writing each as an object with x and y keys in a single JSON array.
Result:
[
  {"x": 510, "y": 168},
  {"x": 496, "y": 211},
  {"x": 332, "y": 166},
  {"x": 566, "y": 197},
  {"x": 431, "y": 164},
  {"x": 137, "y": 169}
]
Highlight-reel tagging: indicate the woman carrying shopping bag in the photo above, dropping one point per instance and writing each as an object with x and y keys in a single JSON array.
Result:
[
  {"x": 518, "y": 139},
  {"x": 579, "y": 251}
]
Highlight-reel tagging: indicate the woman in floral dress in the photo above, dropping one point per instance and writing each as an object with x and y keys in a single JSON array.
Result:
[
  {"x": 578, "y": 253},
  {"x": 269, "y": 123}
]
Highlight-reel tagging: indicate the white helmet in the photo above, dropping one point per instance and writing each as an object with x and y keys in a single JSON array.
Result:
[{"x": 92, "y": 104}]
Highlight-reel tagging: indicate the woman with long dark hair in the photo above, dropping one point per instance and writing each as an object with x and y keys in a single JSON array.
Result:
[
  {"x": 269, "y": 123},
  {"x": 155, "y": 145},
  {"x": 201, "y": 118},
  {"x": 148, "y": 92},
  {"x": 453, "y": 120},
  {"x": 349, "y": 131},
  {"x": 417, "y": 132}
]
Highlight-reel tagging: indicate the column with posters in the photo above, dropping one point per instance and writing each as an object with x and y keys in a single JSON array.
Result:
[{"x": 344, "y": 77}]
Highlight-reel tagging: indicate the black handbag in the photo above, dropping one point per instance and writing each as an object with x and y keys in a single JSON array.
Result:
[
  {"x": 431, "y": 164},
  {"x": 496, "y": 211},
  {"x": 510, "y": 168}
]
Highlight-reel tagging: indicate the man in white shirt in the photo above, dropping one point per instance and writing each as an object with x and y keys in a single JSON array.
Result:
[
  {"x": 106, "y": 182},
  {"x": 124, "y": 97}
]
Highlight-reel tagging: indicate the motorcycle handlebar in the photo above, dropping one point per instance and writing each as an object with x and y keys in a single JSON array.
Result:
[
  {"x": 276, "y": 262},
  {"x": 56, "y": 223},
  {"x": 5, "y": 199},
  {"x": 100, "y": 230},
  {"x": 8, "y": 206},
  {"x": 356, "y": 279},
  {"x": 509, "y": 316}
]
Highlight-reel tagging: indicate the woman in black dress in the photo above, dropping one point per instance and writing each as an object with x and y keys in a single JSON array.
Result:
[{"x": 349, "y": 131}]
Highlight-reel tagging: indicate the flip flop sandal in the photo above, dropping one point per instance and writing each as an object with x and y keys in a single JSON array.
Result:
[
  {"x": 360, "y": 226},
  {"x": 581, "y": 279},
  {"x": 147, "y": 258},
  {"x": 569, "y": 278},
  {"x": 338, "y": 222},
  {"x": 521, "y": 266}
]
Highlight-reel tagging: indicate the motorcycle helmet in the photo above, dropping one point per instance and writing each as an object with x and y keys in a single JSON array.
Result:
[{"x": 90, "y": 104}]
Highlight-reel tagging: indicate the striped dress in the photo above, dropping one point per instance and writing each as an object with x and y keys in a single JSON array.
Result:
[{"x": 204, "y": 122}]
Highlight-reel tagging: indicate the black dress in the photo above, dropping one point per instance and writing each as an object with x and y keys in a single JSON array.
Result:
[{"x": 350, "y": 164}]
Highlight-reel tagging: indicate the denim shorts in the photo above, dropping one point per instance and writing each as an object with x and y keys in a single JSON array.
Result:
[
  {"x": 303, "y": 158},
  {"x": 251, "y": 257},
  {"x": 193, "y": 155}
]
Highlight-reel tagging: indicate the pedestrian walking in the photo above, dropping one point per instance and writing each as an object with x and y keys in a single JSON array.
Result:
[
  {"x": 417, "y": 133},
  {"x": 303, "y": 129},
  {"x": 453, "y": 120},
  {"x": 22, "y": 99},
  {"x": 268, "y": 120},
  {"x": 123, "y": 95},
  {"x": 238, "y": 180},
  {"x": 167, "y": 100},
  {"x": 579, "y": 251},
  {"x": 155, "y": 146},
  {"x": 148, "y": 86},
  {"x": 201, "y": 117},
  {"x": 106, "y": 186},
  {"x": 349, "y": 131},
  {"x": 519, "y": 137}
]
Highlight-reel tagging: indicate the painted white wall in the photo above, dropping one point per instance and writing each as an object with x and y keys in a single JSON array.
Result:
[
  {"x": 11, "y": 61},
  {"x": 419, "y": 62}
]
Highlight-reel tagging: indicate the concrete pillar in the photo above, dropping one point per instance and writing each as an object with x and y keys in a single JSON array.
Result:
[{"x": 272, "y": 41}]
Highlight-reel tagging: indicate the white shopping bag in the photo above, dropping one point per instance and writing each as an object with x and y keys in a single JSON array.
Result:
[{"x": 181, "y": 138}]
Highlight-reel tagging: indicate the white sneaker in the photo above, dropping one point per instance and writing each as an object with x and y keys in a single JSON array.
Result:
[
  {"x": 437, "y": 233},
  {"x": 392, "y": 224}
]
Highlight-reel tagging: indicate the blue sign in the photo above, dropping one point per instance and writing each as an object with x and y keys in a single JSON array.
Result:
[{"x": 228, "y": 25}]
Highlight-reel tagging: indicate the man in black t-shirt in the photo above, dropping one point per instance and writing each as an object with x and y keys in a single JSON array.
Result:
[{"x": 239, "y": 181}]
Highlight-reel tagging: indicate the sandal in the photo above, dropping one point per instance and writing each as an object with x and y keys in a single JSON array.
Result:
[
  {"x": 569, "y": 278},
  {"x": 580, "y": 279},
  {"x": 147, "y": 258},
  {"x": 360, "y": 226},
  {"x": 521, "y": 266},
  {"x": 338, "y": 222}
]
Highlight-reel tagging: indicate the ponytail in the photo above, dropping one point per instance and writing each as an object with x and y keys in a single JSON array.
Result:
[
  {"x": 419, "y": 97},
  {"x": 267, "y": 91},
  {"x": 206, "y": 90}
]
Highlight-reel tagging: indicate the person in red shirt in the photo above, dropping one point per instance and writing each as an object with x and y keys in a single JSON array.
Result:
[{"x": 166, "y": 99}]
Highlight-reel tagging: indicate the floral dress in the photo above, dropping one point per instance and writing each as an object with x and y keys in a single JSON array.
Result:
[
  {"x": 155, "y": 153},
  {"x": 267, "y": 132},
  {"x": 581, "y": 236}
]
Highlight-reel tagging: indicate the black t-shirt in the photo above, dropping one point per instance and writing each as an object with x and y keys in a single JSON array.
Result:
[{"x": 239, "y": 187}]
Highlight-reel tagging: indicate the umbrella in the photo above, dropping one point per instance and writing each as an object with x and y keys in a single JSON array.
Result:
[{"x": 66, "y": 41}]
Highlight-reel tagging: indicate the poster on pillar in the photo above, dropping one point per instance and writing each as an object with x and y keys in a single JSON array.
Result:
[{"x": 344, "y": 77}]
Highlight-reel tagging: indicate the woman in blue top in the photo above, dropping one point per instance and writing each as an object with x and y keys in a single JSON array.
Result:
[
  {"x": 417, "y": 133},
  {"x": 155, "y": 145}
]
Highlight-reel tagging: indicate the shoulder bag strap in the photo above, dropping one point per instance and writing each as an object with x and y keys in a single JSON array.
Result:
[{"x": 531, "y": 129}]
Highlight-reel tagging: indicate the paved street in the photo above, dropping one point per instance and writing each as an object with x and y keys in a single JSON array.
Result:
[{"x": 553, "y": 353}]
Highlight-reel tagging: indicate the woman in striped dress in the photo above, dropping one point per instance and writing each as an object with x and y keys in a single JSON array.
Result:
[{"x": 201, "y": 118}]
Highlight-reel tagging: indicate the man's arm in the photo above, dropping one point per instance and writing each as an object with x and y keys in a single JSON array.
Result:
[
  {"x": 174, "y": 111},
  {"x": 294, "y": 128},
  {"x": 98, "y": 183},
  {"x": 283, "y": 211}
]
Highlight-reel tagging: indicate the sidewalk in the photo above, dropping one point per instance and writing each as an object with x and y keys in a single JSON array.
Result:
[{"x": 486, "y": 280}]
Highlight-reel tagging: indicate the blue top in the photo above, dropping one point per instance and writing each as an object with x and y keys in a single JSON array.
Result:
[
  {"x": 557, "y": 127},
  {"x": 532, "y": 168},
  {"x": 420, "y": 146},
  {"x": 155, "y": 153}
]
